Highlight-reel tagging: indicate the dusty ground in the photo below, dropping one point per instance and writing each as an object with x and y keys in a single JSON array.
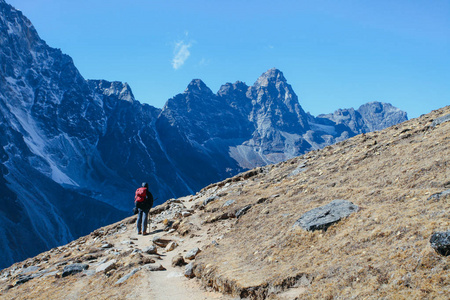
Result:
[
  {"x": 125, "y": 245},
  {"x": 380, "y": 252}
]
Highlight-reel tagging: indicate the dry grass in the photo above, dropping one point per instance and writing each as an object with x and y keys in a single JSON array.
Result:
[{"x": 382, "y": 251}]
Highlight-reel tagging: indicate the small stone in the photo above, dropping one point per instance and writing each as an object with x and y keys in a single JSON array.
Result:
[
  {"x": 209, "y": 200},
  {"x": 185, "y": 214},
  {"x": 153, "y": 268},
  {"x": 107, "y": 266},
  {"x": 438, "y": 196},
  {"x": 228, "y": 203},
  {"x": 176, "y": 224},
  {"x": 107, "y": 245},
  {"x": 440, "y": 242},
  {"x": 178, "y": 261},
  {"x": 24, "y": 278},
  {"x": 171, "y": 246},
  {"x": 147, "y": 260},
  {"x": 243, "y": 211},
  {"x": 192, "y": 253},
  {"x": 127, "y": 243},
  {"x": 189, "y": 270},
  {"x": 126, "y": 277},
  {"x": 150, "y": 250},
  {"x": 158, "y": 241},
  {"x": 74, "y": 269}
]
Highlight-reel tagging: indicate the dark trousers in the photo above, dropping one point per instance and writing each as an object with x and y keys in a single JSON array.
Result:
[{"x": 142, "y": 220}]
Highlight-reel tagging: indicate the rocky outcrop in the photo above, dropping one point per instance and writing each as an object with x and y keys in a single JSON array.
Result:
[
  {"x": 321, "y": 218},
  {"x": 440, "y": 120}
]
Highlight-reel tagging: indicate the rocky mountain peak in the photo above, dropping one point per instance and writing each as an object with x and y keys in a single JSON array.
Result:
[
  {"x": 271, "y": 76},
  {"x": 379, "y": 115},
  {"x": 227, "y": 88},
  {"x": 197, "y": 86},
  {"x": 116, "y": 88}
]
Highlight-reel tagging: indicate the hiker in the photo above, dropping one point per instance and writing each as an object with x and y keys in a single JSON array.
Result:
[{"x": 144, "y": 201}]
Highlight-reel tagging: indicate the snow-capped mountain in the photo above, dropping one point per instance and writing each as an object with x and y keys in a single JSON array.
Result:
[{"x": 72, "y": 151}]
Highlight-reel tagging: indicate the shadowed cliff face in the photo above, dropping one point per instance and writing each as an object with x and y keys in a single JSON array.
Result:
[{"x": 71, "y": 147}]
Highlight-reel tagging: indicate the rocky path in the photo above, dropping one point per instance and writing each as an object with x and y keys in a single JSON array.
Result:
[{"x": 172, "y": 283}]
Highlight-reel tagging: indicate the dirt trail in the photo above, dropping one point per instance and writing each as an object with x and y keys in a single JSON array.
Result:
[{"x": 171, "y": 283}]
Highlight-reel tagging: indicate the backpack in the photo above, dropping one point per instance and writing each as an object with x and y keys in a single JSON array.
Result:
[{"x": 141, "y": 194}]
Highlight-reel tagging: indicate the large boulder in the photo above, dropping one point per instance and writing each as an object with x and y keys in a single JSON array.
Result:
[
  {"x": 440, "y": 242},
  {"x": 321, "y": 218}
]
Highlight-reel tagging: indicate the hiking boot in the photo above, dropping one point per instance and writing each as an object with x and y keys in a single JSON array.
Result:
[
  {"x": 145, "y": 233},
  {"x": 140, "y": 232}
]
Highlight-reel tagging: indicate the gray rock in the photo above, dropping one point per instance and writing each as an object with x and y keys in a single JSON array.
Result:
[
  {"x": 192, "y": 253},
  {"x": 158, "y": 241},
  {"x": 107, "y": 266},
  {"x": 107, "y": 246},
  {"x": 74, "y": 269},
  {"x": 324, "y": 216},
  {"x": 89, "y": 272},
  {"x": 209, "y": 200},
  {"x": 126, "y": 277},
  {"x": 127, "y": 243},
  {"x": 228, "y": 203},
  {"x": 189, "y": 270},
  {"x": 178, "y": 261},
  {"x": 150, "y": 250},
  {"x": 440, "y": 120},
  {"x": 185, "y": 214},
  {"x": 25, "y": 278},
  {"x": 243, "y": 211},
  {"x": 440, "y": 195},
  {"x": 440, "y": 242},
  {"x": 29, "y": 270},
  {"x": 300, "y": 168},
  {"x": 53, "y": 273},
  {"x": 153, "y": 268}
]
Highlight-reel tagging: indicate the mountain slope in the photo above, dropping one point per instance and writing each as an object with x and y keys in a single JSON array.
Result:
[
  {"x": 71, "y": 147},
  {"x": 244, "y": 226}
]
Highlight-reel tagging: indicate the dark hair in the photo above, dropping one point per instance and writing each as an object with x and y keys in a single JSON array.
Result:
[{"x": 145, "y": 184}]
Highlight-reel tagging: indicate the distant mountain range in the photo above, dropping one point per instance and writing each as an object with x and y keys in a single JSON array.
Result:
[{"x": 73, "y": 150}]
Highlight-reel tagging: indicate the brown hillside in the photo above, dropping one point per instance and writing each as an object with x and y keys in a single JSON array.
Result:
[{"x": 380, "y": 251}]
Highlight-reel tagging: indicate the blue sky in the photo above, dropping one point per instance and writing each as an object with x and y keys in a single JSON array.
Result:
[{"x": 335, "y": 54}]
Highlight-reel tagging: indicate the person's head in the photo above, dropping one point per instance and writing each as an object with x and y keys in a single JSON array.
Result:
[{"x": 145, "y": 184}]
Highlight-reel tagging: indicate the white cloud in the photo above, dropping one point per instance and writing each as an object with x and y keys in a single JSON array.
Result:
[{"x": 181, "y": 54}]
